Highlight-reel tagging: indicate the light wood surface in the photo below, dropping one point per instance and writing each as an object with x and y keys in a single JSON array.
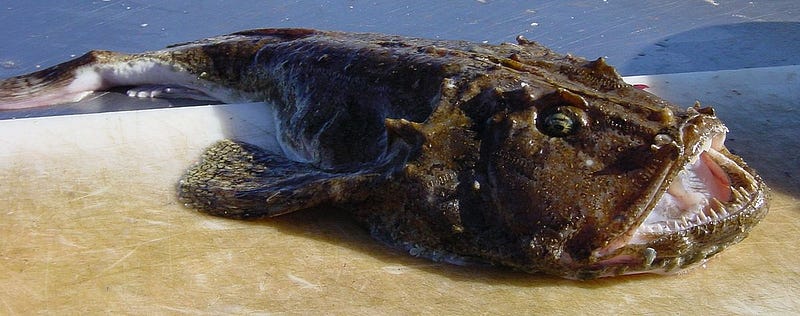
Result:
[{"x": 89, "y": 223}]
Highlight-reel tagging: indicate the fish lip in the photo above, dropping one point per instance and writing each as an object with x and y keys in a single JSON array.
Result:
[{"x": 663, "y": 244}]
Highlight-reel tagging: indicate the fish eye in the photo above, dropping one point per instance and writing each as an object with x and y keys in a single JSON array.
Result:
[{"x": 560, "y": 121}]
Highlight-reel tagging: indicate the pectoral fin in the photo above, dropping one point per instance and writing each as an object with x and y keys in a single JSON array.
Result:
[{"x": 239, "y": 180}]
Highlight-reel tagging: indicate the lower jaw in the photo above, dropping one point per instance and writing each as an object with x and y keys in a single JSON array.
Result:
[{"x": 682, "y": 250}]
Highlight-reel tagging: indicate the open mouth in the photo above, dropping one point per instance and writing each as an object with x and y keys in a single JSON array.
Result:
[
  {"x": 714, "y": 194},
  {"x": 713, "y": 187}
]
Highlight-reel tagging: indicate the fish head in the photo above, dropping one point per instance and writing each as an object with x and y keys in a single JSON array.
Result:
[{"x": 600, "y": 182}]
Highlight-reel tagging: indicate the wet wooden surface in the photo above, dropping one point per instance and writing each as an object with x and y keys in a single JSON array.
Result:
[{"x": 89, "y": 223}]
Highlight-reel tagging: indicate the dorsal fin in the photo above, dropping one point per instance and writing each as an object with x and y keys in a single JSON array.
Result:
[
  {"x": 599, "y": 67},
  {"x": 596, "y": 74},
  {"x": 287, "y": 34}
]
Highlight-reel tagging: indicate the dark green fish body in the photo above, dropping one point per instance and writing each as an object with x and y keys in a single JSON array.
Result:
[{"x": 509, "y": 154}]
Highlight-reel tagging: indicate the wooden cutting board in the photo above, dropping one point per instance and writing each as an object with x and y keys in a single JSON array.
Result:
[{"x": 89, "y": 223}]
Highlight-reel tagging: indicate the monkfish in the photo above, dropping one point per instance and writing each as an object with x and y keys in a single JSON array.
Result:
[{"x": 511, "y": 154}]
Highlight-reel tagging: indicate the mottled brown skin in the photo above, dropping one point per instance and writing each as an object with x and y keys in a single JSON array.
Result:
[
  {"x": 437, "y": 147},
  {"x": 456, "y": 150}
]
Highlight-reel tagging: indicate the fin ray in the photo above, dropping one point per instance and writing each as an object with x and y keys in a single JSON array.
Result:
[
  {"x": 62, "y": 83},
  {"x": 169, "y": 92},
  {"x": 100, "y": 70}
]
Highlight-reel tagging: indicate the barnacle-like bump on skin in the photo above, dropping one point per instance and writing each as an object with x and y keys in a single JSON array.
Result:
[{"x": 661, "y": 140}]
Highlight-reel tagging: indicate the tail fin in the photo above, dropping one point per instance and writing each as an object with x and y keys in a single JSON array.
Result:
[
  {"x": 151, "y": 74},
  {"x": 62, "y": 83}
]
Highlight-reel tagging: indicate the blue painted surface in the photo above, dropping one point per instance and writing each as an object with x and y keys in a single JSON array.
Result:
[{"x": 639, "y": 37}]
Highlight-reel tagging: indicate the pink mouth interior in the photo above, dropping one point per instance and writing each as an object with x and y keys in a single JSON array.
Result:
[
  {"x": 698, "y": 184},
  {"x": 695, "y": 196}
]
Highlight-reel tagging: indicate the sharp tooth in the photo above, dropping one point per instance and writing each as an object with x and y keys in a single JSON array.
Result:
[
  {"x": 752, "y": 186},
  {"x": 737, "y": 196},
  {"x": 744, "y": 191},
  {"x": 684, "y": 221},
  {"x": 711, "y": 214},
  {"x": 702, "y": 216},
  {"x": 719, "y": 207},
  {"x": 715, "y": 203}
]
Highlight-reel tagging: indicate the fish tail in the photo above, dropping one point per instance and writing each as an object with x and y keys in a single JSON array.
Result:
[{"x": 66, "y": 82}]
